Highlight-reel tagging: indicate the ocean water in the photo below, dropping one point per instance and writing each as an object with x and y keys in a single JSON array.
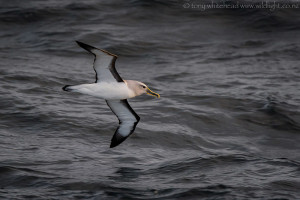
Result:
[{"x": 227, "y": 125}]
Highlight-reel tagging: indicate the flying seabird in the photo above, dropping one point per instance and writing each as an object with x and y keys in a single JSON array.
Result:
[{"x": 111, "y": 87}]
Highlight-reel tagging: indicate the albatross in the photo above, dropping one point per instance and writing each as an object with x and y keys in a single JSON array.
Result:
[{"x": 111, "y": 87}]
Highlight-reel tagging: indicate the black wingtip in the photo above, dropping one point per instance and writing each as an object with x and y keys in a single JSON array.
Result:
[
  {"x": 65, "y": 88},
  {"x": 86, "y": 46},
  {"x": 112, "y": 145},
  {"x": 116, "y": 140}
]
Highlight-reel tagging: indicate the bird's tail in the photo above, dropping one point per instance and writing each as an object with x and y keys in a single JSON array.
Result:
[{"x": 67, "y": 88}]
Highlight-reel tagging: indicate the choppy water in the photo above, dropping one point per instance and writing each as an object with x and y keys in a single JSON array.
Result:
[{"x": 227, "y": 125}]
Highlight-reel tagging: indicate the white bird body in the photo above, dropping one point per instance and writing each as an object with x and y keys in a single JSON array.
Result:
[
  {"x": 111, "y": 87},
  {"x": 105, "y": 90}
]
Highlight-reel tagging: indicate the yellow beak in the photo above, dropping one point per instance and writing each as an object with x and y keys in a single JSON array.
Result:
[{"x": 150, "y": 92}]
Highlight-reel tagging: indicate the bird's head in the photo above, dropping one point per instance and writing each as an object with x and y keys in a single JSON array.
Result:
[{"x": 140, "y": 88}]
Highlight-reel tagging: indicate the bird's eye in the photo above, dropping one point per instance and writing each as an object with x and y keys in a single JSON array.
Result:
[{"x": 143, "y": 86}]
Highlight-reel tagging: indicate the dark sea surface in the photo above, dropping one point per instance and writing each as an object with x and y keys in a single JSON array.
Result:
[{"x": 227, "y": 125}]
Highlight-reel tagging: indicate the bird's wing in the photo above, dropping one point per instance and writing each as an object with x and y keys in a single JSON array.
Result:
[
  {"x": 104, "y": 64},
  {"x": 128, "y": 120}
]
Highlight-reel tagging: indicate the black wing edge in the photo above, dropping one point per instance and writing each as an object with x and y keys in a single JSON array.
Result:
[
  {"x": 89, "y": 48},
  {"x": 113, "y": 70},
  {"x": 117, "y": 138},
  {"x": 86, "y": 47},
  {"x": 125, "y": 103},
  {"x": 112, "y": 64}
]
